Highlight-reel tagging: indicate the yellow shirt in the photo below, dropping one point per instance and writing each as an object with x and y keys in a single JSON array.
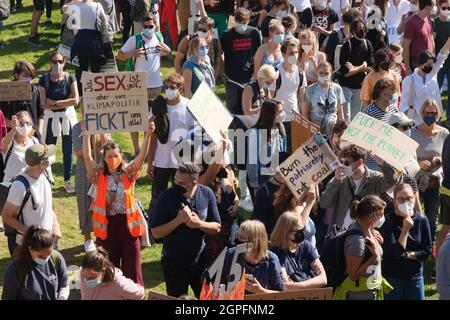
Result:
[{"x": 371, "y": 79}]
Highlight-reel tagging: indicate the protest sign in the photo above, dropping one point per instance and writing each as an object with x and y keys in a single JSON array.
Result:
[
  {"x": 209, "y": 111},
  {"x": 307, "y": 294},
  {"x": 301, "y": 130},
  {"x": 309, "y": 164},
  {"x": 115, "y": 101},
  {"x": 15, "y": 90},
  {"x": 382, "y": 139}
]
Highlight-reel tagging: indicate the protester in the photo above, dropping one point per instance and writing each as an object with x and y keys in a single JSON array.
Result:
[
  {"x": 277, "y": 10},
  {"x": 219, "y": 10},
  {"x": 340, "y": 7},
  {"x": 413, "y": 8},
  {"x": 100, "y": 280},
  {"x": 257, "y": 261},
  {"x": 442, "y": 270},
  {"x": 407, "y": 244},
  {"x": 444, "y": 218},
  {"x": 59, "y": 94},
  {"x": 394, "y": 12},
  {"x": 290, "y": 27},
  {"x": 270, "y": 52},
  {"x": 116, "y": 218},
  {"x": 38, "y": 272},
  {"x": 300, "y": 264},
  {"x": 310, "y": 56},
  {"x": 377, "y": 33},
  {"x": 38, "y": 10},
  {"x": 396, "y": 51}
]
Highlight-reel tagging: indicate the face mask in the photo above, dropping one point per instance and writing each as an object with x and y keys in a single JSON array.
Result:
[
  {"x": 179, "y": 189},
  {"x": 292, "y": 59},
  {"x": 278, "y": 38},
  {"x": 249, "y": 249},
  {"x": 57, "y": 67},
  {"x": 202, "y": 35},
  {"x": 241, "y": 27},
  {"x": 398, "y": 59},
  {"x": 429, "y": 120},
  {"x": 323, "y": 79},
  {"x": 427, "y": 69},
  {"x": 51, "y": 160},
  {"x": 379, "y": 222},
  {"x": 413, "y": 7},
  {"x": 113, "y": 163},
  {"x": 347, "y": 170},
  {"x": 385, "y": 66},
  {"x": 203, "y": 52},
  {"x": 41, "y": 262},
  {"x": 280, "y": 117},
  {"x": 307, "y": 47},
  {"x": 171, "y": 94},
  {"x": 393, "y": 99},
  {"x": 282, "y": 13},
  {"x": 222, "y": 174},
  {"x": 406, "y": 208},
  {"x": 433, "y": 10},
  {"x": 148, "y": 33},
  {"x": 238, "y": 242},
  {"x": 360, "y": 33},
  {"x": 445, "y": 13},
  {"x": 299, "y": 236},
  {"x": 24, "y": 130},
  {"x": 321, "y": 3},
  {"x": 93, "y": 282},
  {"x": 267, "y": 86},
  {"x": 407, "y": 132}
]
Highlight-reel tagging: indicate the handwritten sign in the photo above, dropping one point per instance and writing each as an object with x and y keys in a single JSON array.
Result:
[
  {"x": 209, "y": 111},
  {"x": 307, "y": 294},
  {"x": 115, "y": 101},
  {"x": 382, "y": 139},
  {"x": 309, "y": 164},
  {"x": 301, "y": 130},
  {"x": 15, "y": 91}
]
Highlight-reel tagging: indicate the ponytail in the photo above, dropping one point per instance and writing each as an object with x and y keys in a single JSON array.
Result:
[
  {"x": 98, "y": 261},
  {"x": 366, "y": 207},
  {"x": 354, "y": 209}
]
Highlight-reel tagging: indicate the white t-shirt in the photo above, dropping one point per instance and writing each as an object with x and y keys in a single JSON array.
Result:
[
  {"x": 335, "y": 4},
  {"x": 194, "y": 7},
  {"x": 42, "y": 195},
  {"x": 301, "y": 5},
  {"x": 180, "y": 122},
  {"x": 88, "y": 13},
  {"x": 16, "y": 160},
  {"x": 151, "y": 65},
  {"x": 393, "y": 18},
  {"x": 348, "y": 220},
  {"x": 289, "y": 90}
]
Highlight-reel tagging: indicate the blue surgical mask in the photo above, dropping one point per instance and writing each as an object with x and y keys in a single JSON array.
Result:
[
  {"x": 429, "y": 120},
  {"x": 203, "y": 51},
  {"x": 93, "y": 282},
  {"x": 407, "y": 132},
  {"x": 149, "y": 33},
  {"x": 241, "y": 27},
  {"x": 393, "y": 99},
  {"x": 41, "y": 262},
  {"x": 278, "y": 38}
]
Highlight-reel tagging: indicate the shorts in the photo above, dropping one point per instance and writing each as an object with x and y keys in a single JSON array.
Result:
[
  {"x": 39, "y": 5},
  {"x": 445, "y": 210}
]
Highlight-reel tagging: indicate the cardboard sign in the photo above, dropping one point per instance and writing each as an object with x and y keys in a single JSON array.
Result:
[
  {"x": 307, "y": 294},
  {"x": 15, "y": 91},
  {"x": 309, "y": 164},
  {"x": 115, "y": 101},
  {"x": 301, "y": 130},
  {"x": 158, "y": 296},
  {"x": 210, "y": 112},
  {"x": 382, "y": 139}
]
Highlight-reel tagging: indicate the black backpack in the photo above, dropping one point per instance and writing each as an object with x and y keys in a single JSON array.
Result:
[{"x": 333, "y": 257}]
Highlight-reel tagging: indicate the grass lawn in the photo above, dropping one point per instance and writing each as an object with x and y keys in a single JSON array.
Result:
[{"x": 15, "y": 33}]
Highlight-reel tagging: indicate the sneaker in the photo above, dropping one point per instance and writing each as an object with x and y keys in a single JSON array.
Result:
[
  {"x": 246, "y": 204},
  {"x": 433, "y": 274},
  {"x": 89, "y": 246},
  {"x": 69, "y": 188},
  {"x": 48, "y": 22},
  {"x": 34, "y": 41}
]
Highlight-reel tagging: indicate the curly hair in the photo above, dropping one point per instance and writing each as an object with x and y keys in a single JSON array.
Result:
[{"x": 284, "y": 201}]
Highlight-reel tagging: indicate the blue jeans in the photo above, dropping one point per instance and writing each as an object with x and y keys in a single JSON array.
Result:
[
  {"x": 431, "y": 202},
  {"x": 352, "y": 103},
  {"x": 445, "y": 73},
  {"x": 411, "y": 289},
  {"x": 66, "y": 149}
]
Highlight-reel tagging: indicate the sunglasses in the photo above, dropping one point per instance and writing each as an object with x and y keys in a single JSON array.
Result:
[
  {"x": 445, "y": 8},
  {"x": 347, "y": 163},
  {"x": 58, "y": 61},
  {"x": 148, "y": 26},
  {"x": 430, "y": 114},
  {"x": 203, "y": 30}
]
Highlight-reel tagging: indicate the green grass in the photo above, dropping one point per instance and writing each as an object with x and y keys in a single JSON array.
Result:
[{"x": 15, "y": 33}]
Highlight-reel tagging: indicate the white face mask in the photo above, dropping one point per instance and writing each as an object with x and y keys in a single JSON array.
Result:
[
  {"x": 406, "y": 208},
  {"x": 57, "y": 67},
  {"x": 398, "y": 59},
  {"x": 347, "y": 170},
  {"x": 307, "y": 47},
  {"x": 413, "y": 7},
  {"x": 292, "y": 59},
  {"x": 24, "y": 130},
  {"x": 379, "y": 222},
  {"x": 171, "y": 94},
  {"x": 202, "y": 35},
  {"x": 267, "y": 86},
  {"x": 323, "y": 79},
  {"x": 41, "y": 262},
  {"x": 445, "y": 13},
  {"x": 434, "y": 10},
  {"x": 321, "y": 3},
  {"x": 280, "y": 117}
]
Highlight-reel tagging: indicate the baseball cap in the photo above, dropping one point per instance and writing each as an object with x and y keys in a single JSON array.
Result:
[
  {"x": 37, "y": 152},
  {"x": 400, "y": 118}
]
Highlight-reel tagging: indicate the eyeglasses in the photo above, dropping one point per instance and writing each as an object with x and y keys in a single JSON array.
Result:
[
  {"x": 58, "y": 61},
  {"x": 430, "y": 114},
  {"x": 445, "y": 8},
  {"x": 203, "y": 30},
  {"x": 347, "y": 162},
  {"x": 148, "y": 26}
]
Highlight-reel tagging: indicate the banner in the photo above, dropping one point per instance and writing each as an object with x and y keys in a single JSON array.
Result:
[
  {"x": 209, "y": 111},
  {"x": 309, "y": 164},
  {"x": 307, "y": 294},
  {"x": 15, "y": 91},
  {"x": 301, "y": 130},
  {"x": 382, "y": 139},
  {"x": 115, "y": 101}
]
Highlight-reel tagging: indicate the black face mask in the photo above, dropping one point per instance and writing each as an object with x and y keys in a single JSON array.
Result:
[
  {"x": 427, "y": 69},
  {"x": 238, "y": 242},
  {"x": 222, "y": 174},
  {"x": 299, "y": 236},
  {"x": 179, "y": 189},
  {"x": 385, "y": 66},
  {"x": 360, "y": 33}
]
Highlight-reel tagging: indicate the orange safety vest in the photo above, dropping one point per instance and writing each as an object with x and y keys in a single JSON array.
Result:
[{"x": 99, "y": 219}]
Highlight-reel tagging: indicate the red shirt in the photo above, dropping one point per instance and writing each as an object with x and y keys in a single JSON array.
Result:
[{"x": 420, "y": 32}]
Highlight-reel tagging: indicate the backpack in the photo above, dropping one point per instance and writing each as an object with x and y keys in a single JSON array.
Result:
[
  {"x": 4, "y": 9},
  {"x": 333, "y": 257},
  {"x": 129, "y": 65},
  {"x": 162, "y": 124},
  {"x": 337, "y": 53},
  {"x": 278, "y": 81}
]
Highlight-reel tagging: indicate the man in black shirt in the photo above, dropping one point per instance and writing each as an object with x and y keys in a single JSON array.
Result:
[{"x": 239, "y": 45}]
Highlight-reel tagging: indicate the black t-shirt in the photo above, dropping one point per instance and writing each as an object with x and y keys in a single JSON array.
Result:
[
  {"x": 184, "y": 242},
  {"x": 265, "y": 26},
  {"x": 356, "y": 53},
  {"x": 57, "y": 90},
  {"x": 263, "y": 205},
  {"x": 323, "y": 18},
  {"x": 374, "y": 37},
  {"x": 239, "y": 50}
]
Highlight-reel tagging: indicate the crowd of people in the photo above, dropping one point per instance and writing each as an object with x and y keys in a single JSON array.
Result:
[{"x": 325, "y": 60}]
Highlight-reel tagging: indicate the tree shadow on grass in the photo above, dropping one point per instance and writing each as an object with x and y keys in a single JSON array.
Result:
[{"x": 153, "y": 274}]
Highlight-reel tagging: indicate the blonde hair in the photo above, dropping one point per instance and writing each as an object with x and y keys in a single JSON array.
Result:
[
  {"x": 308, "y": 35},
  {"x": 430, "y": 103},
  {"x": 275, "y": 25},
  {"x": 194, "y": 43},
  {"x": 286, "y": 223},
  {"x": 255, "y": 233},
  {"x": 267, "y": 71}
]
